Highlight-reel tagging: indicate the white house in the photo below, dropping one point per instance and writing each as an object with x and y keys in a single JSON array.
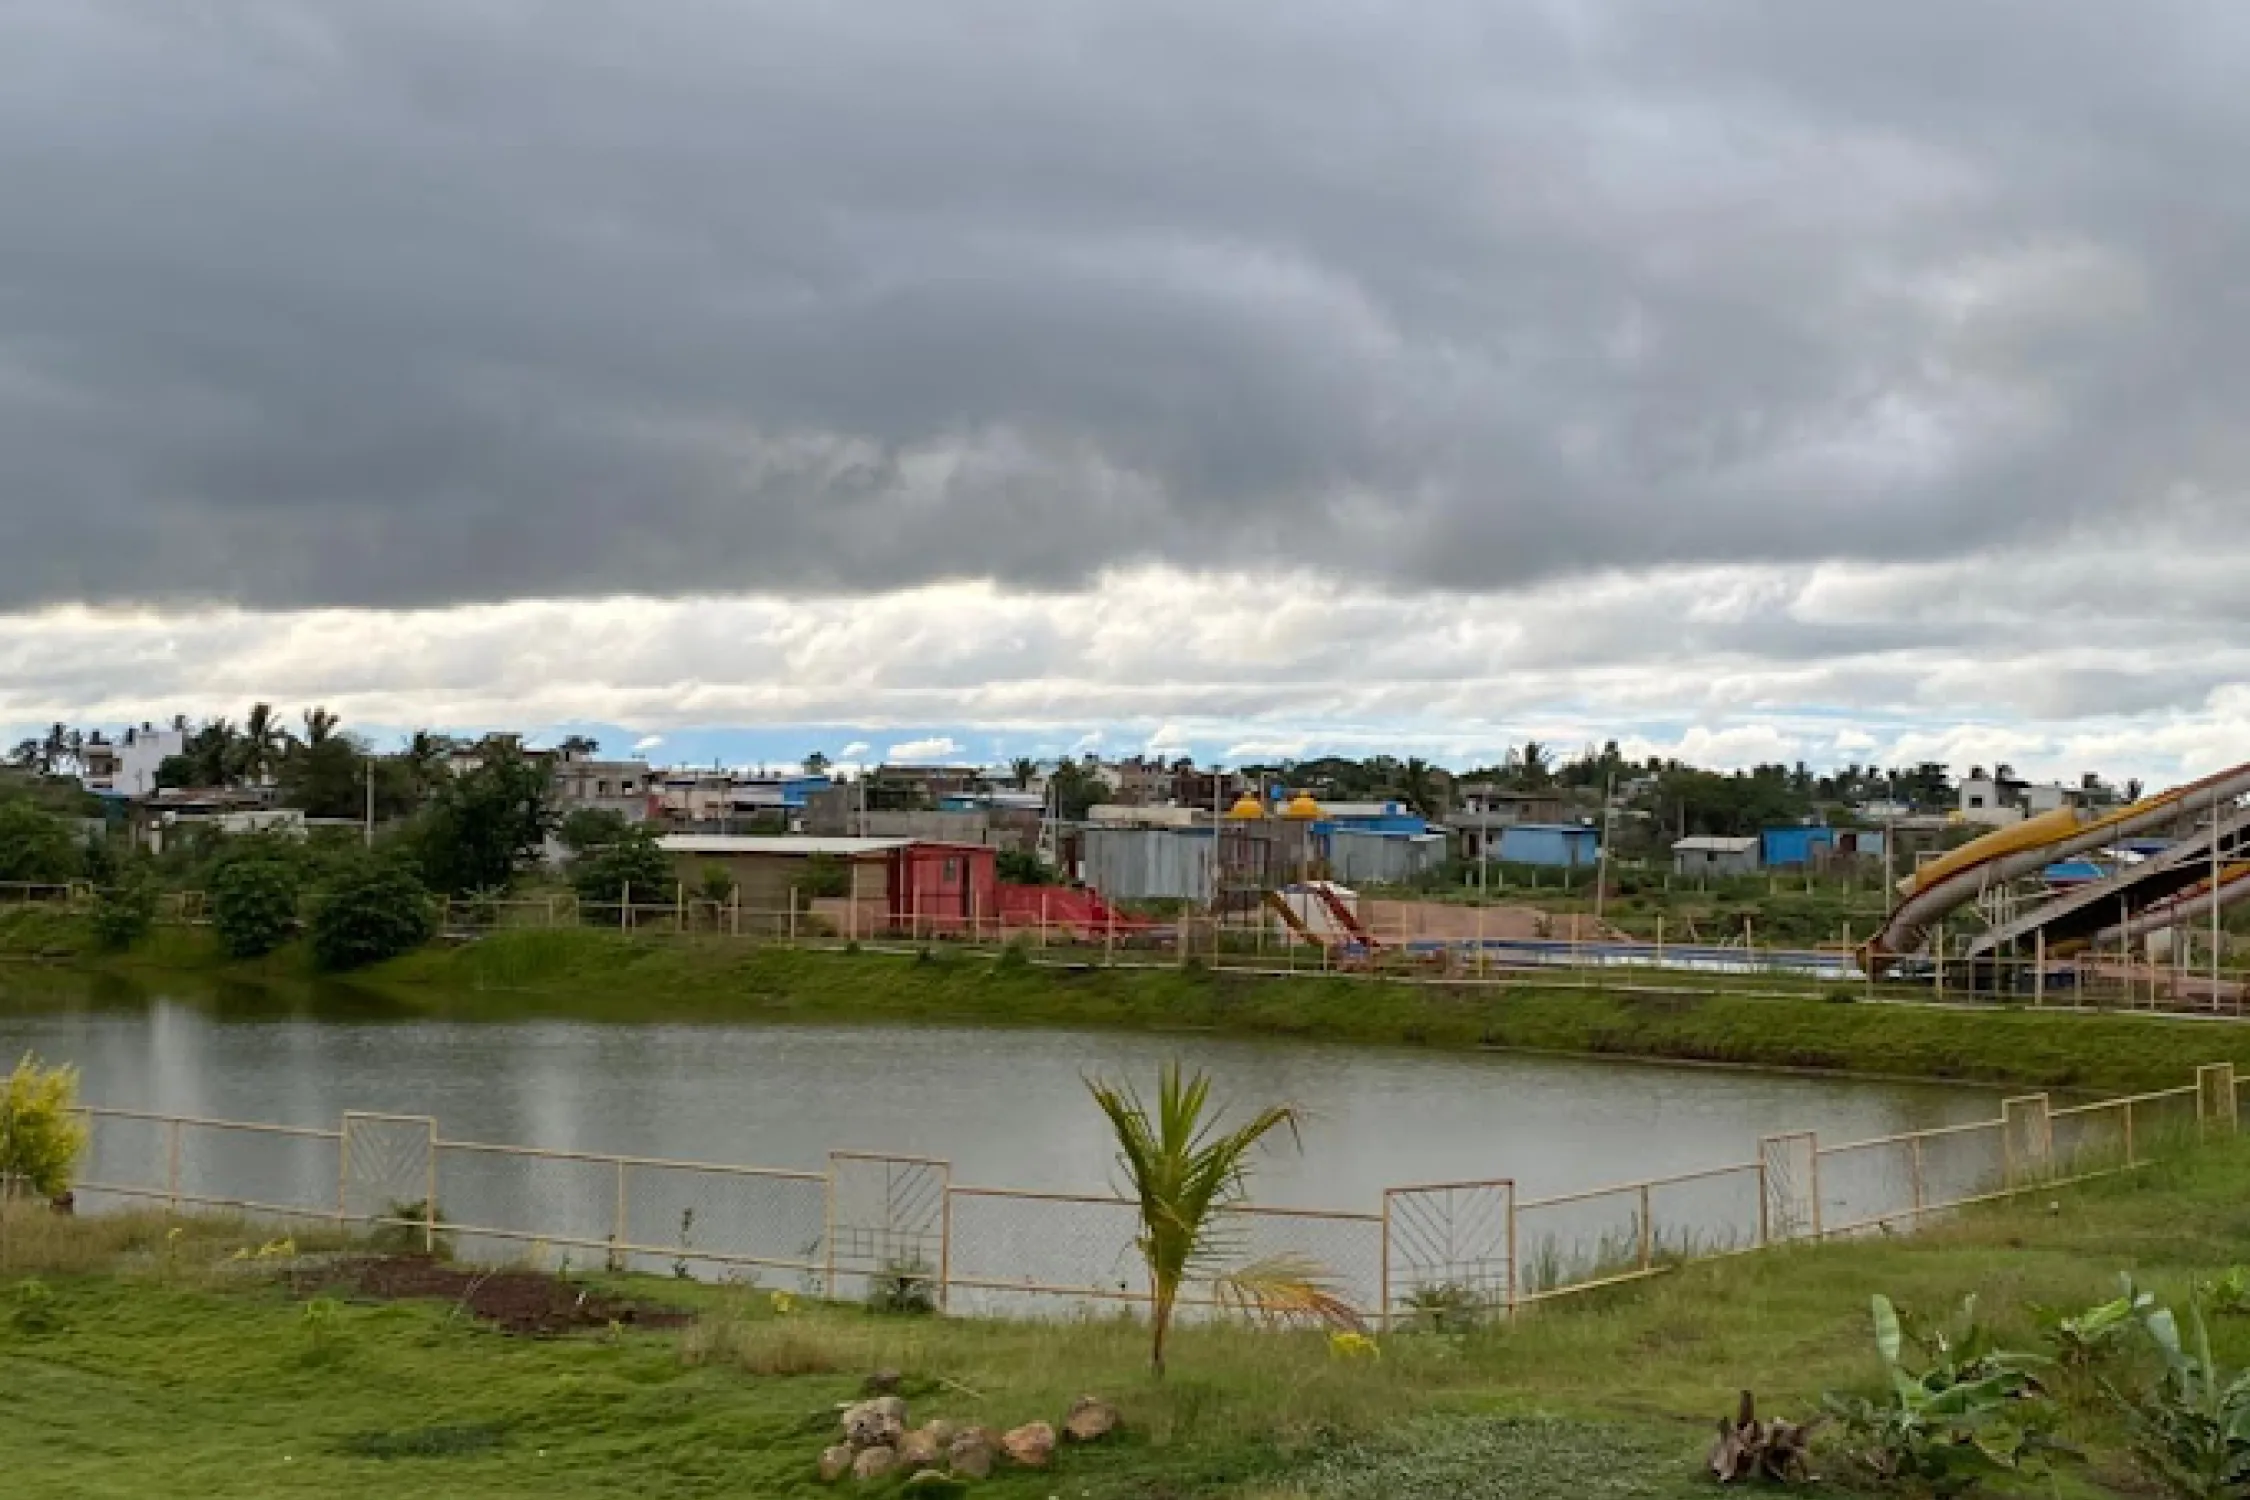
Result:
[{"x": 126, "y": 766}]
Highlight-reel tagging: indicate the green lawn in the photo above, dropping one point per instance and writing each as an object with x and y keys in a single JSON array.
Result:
[{"x": 172, "y": 1373}]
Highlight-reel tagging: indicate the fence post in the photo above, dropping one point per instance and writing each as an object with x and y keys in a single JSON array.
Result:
[
  {"x": 172, "y": 1165},
  {"x": 1513, "y": 1277},
  {"x": 1648, "y": 1233},
  {"x": 2129, "y": 1130},
  {"x": 1813, "y": 1141},
  {"x": 1383, "y": 1274},
  {"x": 679, "y": 907},
  {"x": 2214, "y": 1096},
  {"x": 625, "y": 906},
  {"x": 429, "y": 1194},
  {"x": 1921, "y": 1193},
  {"x": 945, "y": 1246},
  {"x": 1765, "y": 1201},
  {"x": 828, "y": 1227},
  {"x": 619, "y": 1223}
]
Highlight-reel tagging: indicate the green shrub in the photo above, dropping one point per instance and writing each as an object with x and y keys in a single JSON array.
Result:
[
  {"x": 375, "y": 911},
  {"x": 825, "y": 877},
  {"x": 41, "y": 1135},
  {"x": 124, "y": 911},
  {"x": 253, "y": 902},
  {"x": 34, "y": 1311},
  {"x": 35, "y": 846},
  {"x": 903, "y": 1286},
  {"x": 633, "y": 861}
]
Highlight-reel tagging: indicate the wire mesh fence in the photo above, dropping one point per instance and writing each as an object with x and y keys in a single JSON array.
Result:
[{"x": 883, "y": 1225}]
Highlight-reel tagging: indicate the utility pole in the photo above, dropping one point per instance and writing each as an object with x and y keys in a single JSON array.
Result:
[
  {"x": 368, "y": 833},
  {"x": 1601, "y": 855},
  {"x": 2215, "y": 903}
]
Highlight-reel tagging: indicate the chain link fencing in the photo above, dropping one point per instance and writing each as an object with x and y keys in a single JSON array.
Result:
[{"x": 899, "y": 1226}]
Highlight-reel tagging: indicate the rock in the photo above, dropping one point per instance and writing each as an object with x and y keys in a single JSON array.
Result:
[
  {"x": 835, "y": 1463},
  {"x": 970, "y": 1454},
  {"x": 882, "y": 1383},
  {"x": 935, "y": 1483},
  {"x": 943, "y": 1431},
  {"x": 876, "y": 1423},
  {"x": 921, "y": 1447},
  {"x": 874, "y": 1463},
  {"x": 1031, "y": 1445},
  {"x": 1090, "y": 1420}
]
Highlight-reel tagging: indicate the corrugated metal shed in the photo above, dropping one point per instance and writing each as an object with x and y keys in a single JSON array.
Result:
[
  {"x": 1364, "y": 857},
  {"x": 1148, "y": 864}
]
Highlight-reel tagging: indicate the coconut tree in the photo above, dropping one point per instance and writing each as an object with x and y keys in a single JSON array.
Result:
[
  {"x": 319, "y": 725},
  {"x": 262, "y": 743},
  {"x": 1184, "y": 1168},
  {"x": 1023, "y": 770}
]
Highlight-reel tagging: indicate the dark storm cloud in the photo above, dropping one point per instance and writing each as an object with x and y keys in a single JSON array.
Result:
[{"x": 423, "y": 302}]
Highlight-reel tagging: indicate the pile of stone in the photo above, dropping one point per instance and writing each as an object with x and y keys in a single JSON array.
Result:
[{"x": 877, "y": 1441}]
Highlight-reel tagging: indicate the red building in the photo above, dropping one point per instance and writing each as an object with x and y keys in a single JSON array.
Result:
[{"x": 944, "y": 888}]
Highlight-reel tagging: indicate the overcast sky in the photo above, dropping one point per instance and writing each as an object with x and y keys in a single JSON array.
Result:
[{"x": 1751, "y": 380}]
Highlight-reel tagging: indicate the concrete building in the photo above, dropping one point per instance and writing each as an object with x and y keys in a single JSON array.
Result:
[
  {"x": 1556, "y": 845},
  {"x": 628, "y": 788},
  {"x": 126, "y": 766},
  {"x": 1486, "y": 812},
  {"x": 158, "y": 819},
  {"x": 1704, "y": 856}
]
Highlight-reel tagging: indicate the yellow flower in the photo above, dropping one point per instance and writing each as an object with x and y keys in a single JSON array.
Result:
[
  {"x": 1352, "y": 1346},
  {"x": 783, "y": 1302},
  {"x": 277, "y": 1250}
]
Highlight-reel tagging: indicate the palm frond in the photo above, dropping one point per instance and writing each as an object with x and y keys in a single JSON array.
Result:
[{"x": 1286, "y": 1288}]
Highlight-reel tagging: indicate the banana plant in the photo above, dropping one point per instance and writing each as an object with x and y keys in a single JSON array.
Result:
[
  {"x": 2192, "y": 1430},
  {"x": 1972, "y": 1412},
  {"x": 2082, "y": 1338}
]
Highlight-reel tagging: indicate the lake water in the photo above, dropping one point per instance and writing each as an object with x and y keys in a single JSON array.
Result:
[{"x": 1007, "y": 1107}]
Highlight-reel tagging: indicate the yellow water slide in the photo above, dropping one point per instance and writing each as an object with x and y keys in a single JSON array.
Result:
[{"x": 1958, "y": 877}]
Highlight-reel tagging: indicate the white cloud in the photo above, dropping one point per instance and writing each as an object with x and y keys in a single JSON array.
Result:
[
  {"x": 646, "y": 743},
  {"x": 2041, "y": 658},
  {"x": 938, "y": 748},
  {"x": 1169, "y": 739}
]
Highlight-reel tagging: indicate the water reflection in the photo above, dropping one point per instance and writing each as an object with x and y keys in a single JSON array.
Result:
[{"x": 1007, "y": 1106}]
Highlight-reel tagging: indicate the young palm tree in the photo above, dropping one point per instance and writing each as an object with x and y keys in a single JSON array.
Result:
[{"x": 1184, "y": 1169}]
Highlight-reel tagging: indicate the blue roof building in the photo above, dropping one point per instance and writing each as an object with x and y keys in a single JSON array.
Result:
[
  {"x": 1559, "y": 845},
  {"x": 1796, "y": 847}
]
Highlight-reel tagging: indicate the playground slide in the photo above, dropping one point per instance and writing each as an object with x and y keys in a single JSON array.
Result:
[
  {"x": 1954, "y": 880},
  {"x": 1342, "y": 929},
  {"x": 1343, "y": 916},
  {"x": 1289, "y": 919}
]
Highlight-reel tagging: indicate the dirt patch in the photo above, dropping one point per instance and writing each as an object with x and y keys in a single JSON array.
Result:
[{"x": 530, "y": 1303}]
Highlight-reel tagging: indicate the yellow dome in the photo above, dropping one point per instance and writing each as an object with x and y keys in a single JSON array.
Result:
[
  {"x": 1302, "y": 806},
  {"x": 1247, "y": 808}
]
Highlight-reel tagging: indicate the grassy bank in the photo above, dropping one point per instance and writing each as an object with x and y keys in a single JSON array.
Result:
[
  {"x": 153, "y": 1366},
  {"x": 606, "y": 976}
]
